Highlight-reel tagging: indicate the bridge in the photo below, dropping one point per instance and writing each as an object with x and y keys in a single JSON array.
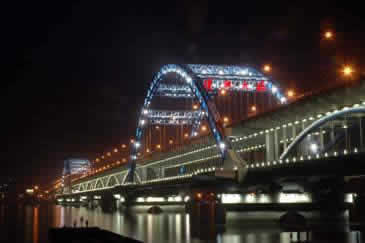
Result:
[{"x": 273, "y": 151}]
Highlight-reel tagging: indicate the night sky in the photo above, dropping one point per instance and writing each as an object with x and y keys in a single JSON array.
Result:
[{"x": 78, "y": 71}]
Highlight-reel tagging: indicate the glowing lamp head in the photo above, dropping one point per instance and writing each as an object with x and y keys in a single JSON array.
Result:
[
  {"x": 124, "y": 146},
  {"x": 225, "y": 119},
  {"x": 171, "y": 141},
  {"x": 145, "y": 111},
  {"x": 291, "y": 93},
  {"x": 137, "y": 144},
  {"x": 347, "y": 70},
  {"x": 195, "y": 107},
  {"x": 313, "y": 147},
  {"x": 186, "y": 135},
  {"x": 222, "y": 145},
  {"x": 204, "y": 128},
  {"x": 328, "y": 35},
  {"x": 223, "y": 92},
  {"x": 158, "y": 146},
  {"x": 274, "y": 89},
  {"x": 267, "y": 68},
  {"x": 115, "y": 150},
  {"x": 253, "y": 108}
]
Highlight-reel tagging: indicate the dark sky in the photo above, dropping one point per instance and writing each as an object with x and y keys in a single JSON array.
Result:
[{"x": 78, "y": 70}]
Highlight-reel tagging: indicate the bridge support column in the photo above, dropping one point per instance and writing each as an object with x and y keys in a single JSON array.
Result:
[
  {"x": 329, "y": 195},
  {"x": 107, "y": 202},
  {"x": 276, "y": 145},
  {"x": 285, "y": 137},
  {"x": 269, "y": 142},
  {"x": 361, "y": 133},
  {"x": 205, "y": 209}
]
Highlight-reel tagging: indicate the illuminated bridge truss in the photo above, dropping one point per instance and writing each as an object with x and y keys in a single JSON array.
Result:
[{"x": 200, "y": 82}]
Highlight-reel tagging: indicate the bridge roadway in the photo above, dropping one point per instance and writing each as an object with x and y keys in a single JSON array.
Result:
[
  {"x": 305, "y": 172},
  {"x": 260, "y": 140}
]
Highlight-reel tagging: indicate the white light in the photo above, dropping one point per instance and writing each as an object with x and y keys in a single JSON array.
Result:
[
  {"x": 145, "y": 111},
  {"x": 204, "y": 71},
  {"x": 116, "y": 196},
  {"x": 293, "y": 197},
  {"x": 231, "y": 198},
  {"x": 155, "y": 199},
  {"x": 189, "y": 80},
  {"x": 195, "y": 134},
  {"x": 222, "y": 145},
  {"x": 137, "y": 144},
  {"x": 186, "y": 198},
  {"x": 250, "y": 198},
  {"x": 220, "y": 72},
  {"x": 283, "y": 99},
  {"x": 355, "y": 150},
  {"x": 345, "y": 151},
  {"x": 143, "y": 122},
  {"x": 314, "y": 147},
  {"x": 274, "y": 89},
  {"x": 140, "y": 199}
]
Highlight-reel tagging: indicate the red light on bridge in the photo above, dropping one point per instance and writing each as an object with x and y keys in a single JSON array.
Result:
[
  {"x": 260, "y": 86},
  {"x": 227, "y": 84},
  {"x": 208, "y": 84}
]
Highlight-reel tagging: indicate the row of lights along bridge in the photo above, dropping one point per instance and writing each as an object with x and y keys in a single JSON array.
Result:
[{"x": 347, "y": 71}]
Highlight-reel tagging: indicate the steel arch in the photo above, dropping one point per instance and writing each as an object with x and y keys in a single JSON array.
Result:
[
  {"x": 193, "y": 75},
  {"x": 317, "y": 124}
]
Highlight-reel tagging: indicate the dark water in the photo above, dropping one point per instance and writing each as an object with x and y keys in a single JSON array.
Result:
[{"x": 30, "y": 224}]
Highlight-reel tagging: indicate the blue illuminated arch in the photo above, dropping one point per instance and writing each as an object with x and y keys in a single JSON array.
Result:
[
  {"x": 193, "y": 75},
  {"x": 317, "y": 124}
]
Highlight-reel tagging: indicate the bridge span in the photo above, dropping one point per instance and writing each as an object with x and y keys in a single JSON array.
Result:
[{"x": 290, "y": 153}]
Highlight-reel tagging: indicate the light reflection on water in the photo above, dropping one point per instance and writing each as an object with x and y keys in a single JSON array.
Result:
[{"x": 30, "y": 224}]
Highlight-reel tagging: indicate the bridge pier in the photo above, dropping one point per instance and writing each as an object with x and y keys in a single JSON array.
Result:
[
  {"x": 329, "y": 195},
  {"x": 206, "y": 215},
  {"x": 108, "y": 202}
]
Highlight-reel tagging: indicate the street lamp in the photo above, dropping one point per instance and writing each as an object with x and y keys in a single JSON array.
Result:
[
  {"x": 253, "y": 108},
  {"x": 124, "y": 146},
  {"x": 186, "y": 135},
  {"x": 195, "y": 107},
  {"x": 223, "y": 92},
  {"x": 328, "y": 35},
  {"x": 115, "y": 150},
  {"x": 347, "y": 70},
  {"x": 291, "y": 93},
  {"x": 225, "y": 119},
  {"x": 267, "y": 68},
  {"x": 158, "y": 146},
  {"x": 204, "y": 128}
]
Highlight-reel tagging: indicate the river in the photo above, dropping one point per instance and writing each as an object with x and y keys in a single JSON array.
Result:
[{"x": 28, "y": 224}]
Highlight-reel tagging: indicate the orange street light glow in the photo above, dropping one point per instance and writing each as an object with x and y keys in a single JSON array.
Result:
[
  {"x": 347, "y": 70},
  {"x": 267, "y": 68},
  {"x": 328, "y": 35},
  {"x": 225, "y": 119},
  {"x": 291, "y": 93},
  {"x": 253, "y": 108}
]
